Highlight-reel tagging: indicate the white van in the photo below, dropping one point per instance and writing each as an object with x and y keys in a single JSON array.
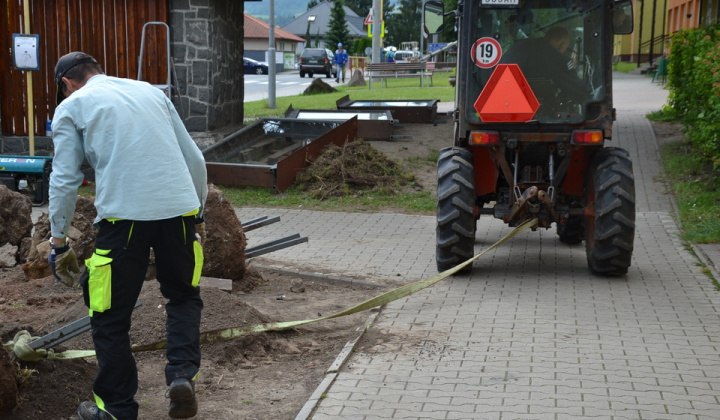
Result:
[{"x": 405, "y": 56}]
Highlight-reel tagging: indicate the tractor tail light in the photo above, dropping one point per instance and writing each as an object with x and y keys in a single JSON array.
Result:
[
  {"x": 587, "y": 137},
  {"x": 484, "y": 138}
]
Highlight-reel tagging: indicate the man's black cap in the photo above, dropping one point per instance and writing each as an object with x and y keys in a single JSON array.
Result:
[{"x": 64, "y": 64}]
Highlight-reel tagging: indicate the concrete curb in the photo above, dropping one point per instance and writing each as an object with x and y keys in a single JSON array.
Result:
[
  {"x": 332, "y": 372},
  {"x": 697, "y": 250},
  {"x": 706, "y": 260}
]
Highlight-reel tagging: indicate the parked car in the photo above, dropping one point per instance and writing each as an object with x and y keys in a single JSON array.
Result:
[
  {"x": 317, "y": 60},
  {"x": 405, "y": 56},
  {"x": 251, "y": 66}
]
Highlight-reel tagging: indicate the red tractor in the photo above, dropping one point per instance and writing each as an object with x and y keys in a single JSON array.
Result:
[{"x": 533, "y": 111}]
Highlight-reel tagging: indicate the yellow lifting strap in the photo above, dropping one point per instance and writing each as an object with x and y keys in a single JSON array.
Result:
[{"x": 24, "y": 352}]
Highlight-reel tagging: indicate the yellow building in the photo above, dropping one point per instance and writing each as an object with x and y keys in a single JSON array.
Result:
[
  {"x": 656, "y": 20},
  {"x": 647, "y": 42}
]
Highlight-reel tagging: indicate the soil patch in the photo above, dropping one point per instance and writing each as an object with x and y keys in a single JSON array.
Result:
[
  {"x": 255, "y": 376},
  {"x": 667, "y": 132}
]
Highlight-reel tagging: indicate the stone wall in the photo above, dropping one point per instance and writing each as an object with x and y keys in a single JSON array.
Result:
[{"x": 207, "y": 49}]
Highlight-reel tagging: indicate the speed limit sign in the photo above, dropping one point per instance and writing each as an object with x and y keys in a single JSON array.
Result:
[{"x": 486, "y": 52}]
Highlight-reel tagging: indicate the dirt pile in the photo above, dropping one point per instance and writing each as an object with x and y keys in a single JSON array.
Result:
[
  {"x": 82, "y": 238},
  {"x": 15, "y": 221},
  {"x": 9, "y": 394},
  {"x": 318, "y": 86},
  {"x": 225, "y": 244},
  {"x": 352, "y": 169},
  {"x": 15, "y": 226}
]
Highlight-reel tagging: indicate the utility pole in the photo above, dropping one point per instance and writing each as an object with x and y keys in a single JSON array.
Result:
[
  {"x": 271, "y": 58},
  {"x": 376, "y": 30},
  {"x": 640, "y": 34},
  {"x": 652, "y": 34},
  {"x": 422, "y": 33}
]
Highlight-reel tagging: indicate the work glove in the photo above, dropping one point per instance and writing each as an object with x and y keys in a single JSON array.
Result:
[{"x": 62, "y": 261}]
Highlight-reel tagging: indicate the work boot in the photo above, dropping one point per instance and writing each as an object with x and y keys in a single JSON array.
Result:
[
  {"x": 183, "y": 404},
  {"x": 90, "y": 411}
]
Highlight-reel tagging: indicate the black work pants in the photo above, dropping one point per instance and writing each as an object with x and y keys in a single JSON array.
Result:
[{"x": 124, "y": 245}]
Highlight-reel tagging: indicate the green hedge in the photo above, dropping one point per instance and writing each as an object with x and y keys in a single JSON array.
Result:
[{"x": 694, "y": 82}]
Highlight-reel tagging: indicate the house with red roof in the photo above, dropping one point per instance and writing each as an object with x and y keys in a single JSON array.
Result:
[{"x": 256, "y": 42}]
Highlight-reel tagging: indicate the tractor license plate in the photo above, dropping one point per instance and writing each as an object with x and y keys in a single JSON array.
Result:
[{"x": 499, "y": 3}]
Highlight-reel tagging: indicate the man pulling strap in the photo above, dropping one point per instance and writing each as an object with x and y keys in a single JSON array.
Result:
[{"x": 151, "y": 188}]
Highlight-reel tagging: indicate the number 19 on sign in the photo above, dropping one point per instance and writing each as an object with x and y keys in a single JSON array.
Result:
[{"x": 486, "y": 52}]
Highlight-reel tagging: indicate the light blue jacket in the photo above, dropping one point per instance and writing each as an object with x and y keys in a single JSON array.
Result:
[{"x": 147, "y": 167}]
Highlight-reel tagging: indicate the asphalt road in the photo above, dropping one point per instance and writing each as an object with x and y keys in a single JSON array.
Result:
[{"x": 286, "y": 84}]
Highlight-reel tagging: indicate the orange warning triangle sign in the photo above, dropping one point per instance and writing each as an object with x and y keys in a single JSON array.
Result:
[
  {"x": 369, "y": 18},
  {"x": 507, "y": 97}
]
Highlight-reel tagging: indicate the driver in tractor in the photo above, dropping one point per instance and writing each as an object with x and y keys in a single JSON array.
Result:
[{"x": 549, "y": 70}]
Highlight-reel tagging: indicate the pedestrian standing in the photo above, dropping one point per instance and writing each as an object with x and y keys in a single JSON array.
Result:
[
  {"x": 341, "y": 59},
  {"x": 151, "y": 186}
]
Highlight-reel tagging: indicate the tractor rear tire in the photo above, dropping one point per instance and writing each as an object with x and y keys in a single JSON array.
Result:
[
  {"x": 456, "y": 222},
  {"x": 610, "y": 232}
]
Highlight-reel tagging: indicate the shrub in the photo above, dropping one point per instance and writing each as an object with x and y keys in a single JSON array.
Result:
[{"x": 694, "y": 82}]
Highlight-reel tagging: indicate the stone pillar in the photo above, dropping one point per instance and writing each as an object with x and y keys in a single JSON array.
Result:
[{"x": 207, "y": 50}]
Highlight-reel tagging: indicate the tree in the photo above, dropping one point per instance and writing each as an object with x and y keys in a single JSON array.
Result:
[
  {"x": 404, "y": 25},
  {"x": 312, "y": 3},
  {"x": 308, "y": 38},
  {"x": 449, "y": 34},
  {"x": 361, "y": 7},
  {"x": 359, "y": 45},
  {"x": 388, "y": 10},
  {"x": 337, "y": 27}
]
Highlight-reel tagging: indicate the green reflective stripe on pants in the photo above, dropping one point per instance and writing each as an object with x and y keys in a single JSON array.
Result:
[
  {"x": 199, "y": 261},
  {"x": 132, "y": 226},
  {"x": 101, "y": 405},
  {"x": 184, "y": 229},
  {"x": 99, "y": 281}
]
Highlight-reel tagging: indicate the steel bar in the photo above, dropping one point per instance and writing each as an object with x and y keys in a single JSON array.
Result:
[
  {"x": 259, "y": 222},
  {"x": 275, "y": 245},
  {"x": 65, "y": 333}
]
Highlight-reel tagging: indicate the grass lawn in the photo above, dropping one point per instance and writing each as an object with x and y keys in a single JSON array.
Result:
[
  {"x": 624, "y": 67},
  {"x": 397, "y": 89},
  {"x": 696, "y": 186}
]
